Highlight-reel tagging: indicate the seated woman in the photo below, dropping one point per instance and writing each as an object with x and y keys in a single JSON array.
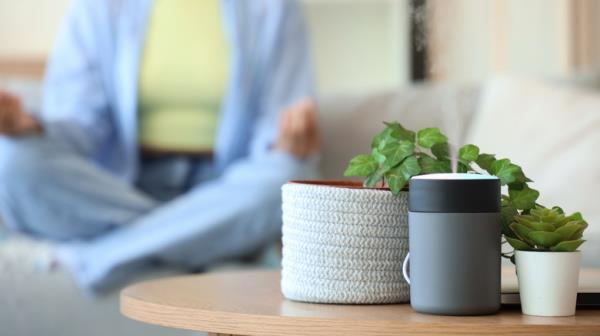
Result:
[{"x": 167, "y": 130}]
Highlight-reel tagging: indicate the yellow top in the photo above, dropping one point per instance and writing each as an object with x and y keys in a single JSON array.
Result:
[{"x": 183, "y": 76}]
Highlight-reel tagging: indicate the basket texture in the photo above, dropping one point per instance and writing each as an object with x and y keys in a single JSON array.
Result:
[{"x": 343, "y": 245}]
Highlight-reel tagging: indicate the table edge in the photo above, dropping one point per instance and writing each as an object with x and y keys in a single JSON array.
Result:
[{"x": 246, "y": 324}]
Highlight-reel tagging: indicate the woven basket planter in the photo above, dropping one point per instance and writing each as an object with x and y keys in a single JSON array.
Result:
[{"x": 343, "y": 243}]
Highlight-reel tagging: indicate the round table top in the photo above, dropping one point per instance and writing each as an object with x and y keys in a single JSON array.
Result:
[{"x": 250, "y": 303}]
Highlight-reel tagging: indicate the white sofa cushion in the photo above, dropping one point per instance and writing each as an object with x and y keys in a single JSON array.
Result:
[{"x": 553, "y": 132}]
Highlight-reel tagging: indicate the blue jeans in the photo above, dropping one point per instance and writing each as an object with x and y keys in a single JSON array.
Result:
[{"x": 178, "y": 212}]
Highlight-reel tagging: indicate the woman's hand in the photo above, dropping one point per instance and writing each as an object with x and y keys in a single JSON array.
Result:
[
  {"x": 14, "y": 121},
  {"x": 298, "y": 130}
]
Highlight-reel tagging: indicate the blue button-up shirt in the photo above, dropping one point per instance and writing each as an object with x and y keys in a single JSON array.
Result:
[{"x": 91, "y": 87}]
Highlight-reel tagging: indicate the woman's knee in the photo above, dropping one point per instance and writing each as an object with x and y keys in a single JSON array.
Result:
[{"x": 22, "y": 161}]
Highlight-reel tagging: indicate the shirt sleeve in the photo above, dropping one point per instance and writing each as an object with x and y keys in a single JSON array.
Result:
[
  {"x": 75, "y": 104},
  {"x": 288, "y": 71}
]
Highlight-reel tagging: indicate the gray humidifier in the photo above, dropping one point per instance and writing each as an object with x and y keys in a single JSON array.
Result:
[{"x": 454, "y": 236}]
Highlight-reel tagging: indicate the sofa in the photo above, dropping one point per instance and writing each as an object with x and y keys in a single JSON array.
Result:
[{"x": 551, "y": 129}]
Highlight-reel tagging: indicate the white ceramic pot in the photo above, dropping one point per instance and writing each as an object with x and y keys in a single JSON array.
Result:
[
  {"x": 548, "y": 282},
  {"x": 343, "y": 243}
]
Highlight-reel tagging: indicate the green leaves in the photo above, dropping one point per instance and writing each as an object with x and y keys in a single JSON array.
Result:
[
  {"x": 544, "y": 239},
  {"x": 390, "y": 149},
  {"x": 571, "y": 230},
  {"x": 382, "y": 137},
  {"x": 505, "y": 171},
  {"x": 393, "y": 132},
  {"x": 430, "y": 165},
  {"x": 395, "y": 156},
  {"x": 429, "y": 137},
  {"x": 379, "y": 158},
  {"x": 399, "y": 176},
  {"x": 485, "y": 161},
  {"x": 375, "y": 178},
  {"x": 546, "y": 229},
  {"x": 441, "y": 151},
  {"x": 468, "y": 153},
  {"x": 399, "y": 132},
  {"x": 567, "y": 246},
  {"x": 525, "y": 198},
  {"x": 522, "y": 232},
  {"x": 396, "y": 152},
  {"x": 517, "y": 244},
  {"x": 574, "y": 217},
  {"x": 361, "y": 165},
  {"x": 507, "y": 215},
  {"x": 521, "y": 196}
]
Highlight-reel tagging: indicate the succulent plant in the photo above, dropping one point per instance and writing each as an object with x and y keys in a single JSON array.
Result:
[{"x": 545, "y": 229}]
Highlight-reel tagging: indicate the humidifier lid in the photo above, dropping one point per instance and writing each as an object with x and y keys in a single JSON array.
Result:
[{"x": 454, "y": 193}]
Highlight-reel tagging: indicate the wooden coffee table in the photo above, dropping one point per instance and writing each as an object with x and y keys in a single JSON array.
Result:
[{"x": 250, "y": 303}]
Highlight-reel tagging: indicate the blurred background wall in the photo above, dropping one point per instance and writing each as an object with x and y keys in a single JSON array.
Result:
[
  {"x": 27, "y": 27},
  {"x": 470, "y": 39},
  {"x": 365, "y": 45},
  {"x": 359, "y": 44}
]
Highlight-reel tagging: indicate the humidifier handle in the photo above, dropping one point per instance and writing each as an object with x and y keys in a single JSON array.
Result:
[{"x": 404, "y": 268}]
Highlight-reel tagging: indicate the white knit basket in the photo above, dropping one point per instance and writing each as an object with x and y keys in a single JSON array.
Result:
[{"x": 343, "y": 245}]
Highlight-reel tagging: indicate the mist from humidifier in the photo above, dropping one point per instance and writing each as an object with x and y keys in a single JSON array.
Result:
[
  {"x": 451, "y": 117},
  {"x": 453, "y": 100}
]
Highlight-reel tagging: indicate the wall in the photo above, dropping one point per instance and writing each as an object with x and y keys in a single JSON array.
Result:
[
  {"x": 358, "y": 44},
  {"x": 362, "y": 45},
  {"x": 458, "y": 39},
  {"x": 472, "y": 39},
  {"x": 27, "y": 27}
]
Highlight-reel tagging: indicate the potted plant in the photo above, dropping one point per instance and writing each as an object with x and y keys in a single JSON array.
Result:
[
  {"x": 545, "y": 239},
  {"x": 547, "y": 260},
  {"x": 344, "y": 242},
  {"x": 333, "y": 249}
]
